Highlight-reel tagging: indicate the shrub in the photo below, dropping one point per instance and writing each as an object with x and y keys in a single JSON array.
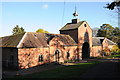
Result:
[{"x": 115, "y": 50}]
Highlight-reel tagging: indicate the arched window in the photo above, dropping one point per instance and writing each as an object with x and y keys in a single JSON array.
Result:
[
  {"x": 86, "y": 37},
  {"x": 68, "y": 55},
  {"x": 40, "y": 59},
  {"x": 85, "y": 25},
  {"x": 57, "y": 52}
]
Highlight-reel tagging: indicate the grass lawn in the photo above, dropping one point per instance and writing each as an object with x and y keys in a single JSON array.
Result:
[
  {"x": 105, "y": 57},
  {"x": 71, "y": 71},
  {"x": 114, "y": 56}
]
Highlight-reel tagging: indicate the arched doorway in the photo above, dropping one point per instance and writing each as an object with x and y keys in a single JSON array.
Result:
[
  {"x": 57, "y": 53},
  {"x": 85, "y": 50}
]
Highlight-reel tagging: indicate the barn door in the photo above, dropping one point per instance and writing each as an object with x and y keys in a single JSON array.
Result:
[{"x": 85, "y": 50}]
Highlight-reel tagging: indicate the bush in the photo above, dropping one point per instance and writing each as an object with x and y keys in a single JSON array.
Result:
[{"x": 115, "y": 50}]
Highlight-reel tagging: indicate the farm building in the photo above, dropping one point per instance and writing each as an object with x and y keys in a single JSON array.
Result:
[{"x": 75, "y": 42}]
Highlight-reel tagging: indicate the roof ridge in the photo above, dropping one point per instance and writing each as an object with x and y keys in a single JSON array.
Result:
[
  {"x": 111, "y": 41},
  {"x": 21, "y": 40}
]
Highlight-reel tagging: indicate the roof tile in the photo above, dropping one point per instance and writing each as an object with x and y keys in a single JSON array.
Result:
[{"x": 70, "y": 26}]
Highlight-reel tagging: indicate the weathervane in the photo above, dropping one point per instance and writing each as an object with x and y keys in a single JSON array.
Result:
[{"x": 75, "y": 13}]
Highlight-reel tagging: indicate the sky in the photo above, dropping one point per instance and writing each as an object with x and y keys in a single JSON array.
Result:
[{"x": 52, "y": 16}]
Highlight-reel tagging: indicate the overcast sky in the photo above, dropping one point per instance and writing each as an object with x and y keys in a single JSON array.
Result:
[{"x": 51, "y": 16}]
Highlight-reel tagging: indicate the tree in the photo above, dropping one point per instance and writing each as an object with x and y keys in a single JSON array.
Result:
[
  {"x": 18, "y": 30},
  {"x": 113, "y": 5},
  {"x": 42, "y": 31},
  {"x": 116, "y": 37},
  {"x": 116, "y": 31},
  {"x": 105, "y": 31}
]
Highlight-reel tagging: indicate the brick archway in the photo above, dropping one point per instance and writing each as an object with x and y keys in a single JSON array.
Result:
[{"x": 85, "y": 50}]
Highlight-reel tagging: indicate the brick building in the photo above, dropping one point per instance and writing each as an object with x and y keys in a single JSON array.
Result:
[{"x": 30, "y": 49}]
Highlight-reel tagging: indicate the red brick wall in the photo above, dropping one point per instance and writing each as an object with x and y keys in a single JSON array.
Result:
[
  {"x": 96, "y": 50},
  {"x": 78, "y": 36},
  {"x": 81, "y": 32},
  {"x": 110, "y": 46},
  {"x": 28, "y": 57},
  {"x": 105, "y": 43},
  {"x": 55, "y": 44}
]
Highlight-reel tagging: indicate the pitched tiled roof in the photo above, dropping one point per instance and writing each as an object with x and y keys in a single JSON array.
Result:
[
  {"x": 111, "y": 42},
  {"x": 11, "y": 41},
  {"x": 70, "y": 26},
  {"x": 66, "y": 39},
  {"x": 33, "y": 40},
  {"x": 97, "y": 41}
]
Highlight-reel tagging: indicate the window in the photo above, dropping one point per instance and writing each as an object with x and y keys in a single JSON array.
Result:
[
  {"x": 68, "y": 55},
  {"x": 86, "y": 37},
  {"x": 40, "y": 59},
  {"x": 56, "y": 52},
  {"x": 85, "y": 25},
  {"x": 57, "y": 55}
]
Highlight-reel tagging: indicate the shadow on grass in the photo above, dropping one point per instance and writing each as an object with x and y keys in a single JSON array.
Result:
[
  {"x": 8, "y": 73},
  {"x": 71, "y": 71}
]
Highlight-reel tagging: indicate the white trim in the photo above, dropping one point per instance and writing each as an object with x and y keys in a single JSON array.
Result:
[{"x": 21, "y": 40}]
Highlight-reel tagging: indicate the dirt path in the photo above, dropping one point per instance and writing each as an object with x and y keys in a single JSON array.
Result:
[{"x": 104, "y": 70}]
